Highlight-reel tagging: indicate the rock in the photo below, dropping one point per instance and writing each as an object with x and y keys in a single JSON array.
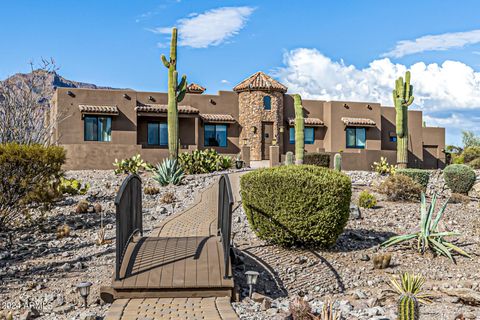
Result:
[
  {"x": 475, "y": 191},
  {"x": 78, "y": 266},
  {"x": 66, "y": 267},
  {"x": 266, "y": 303},
  {"x": 467, "y": 296},
  {"x": 88, "y": 316},
  {"x": 355, "y": 212},
  {"x": 63, "y": 309},
  {"x": 364, "y": 257},
  {"x": 32, "y": 313},
  {"x": 257, "y": 297},
  {"x": 271, "y": 312},
  {"x": 359, "y": 294}
]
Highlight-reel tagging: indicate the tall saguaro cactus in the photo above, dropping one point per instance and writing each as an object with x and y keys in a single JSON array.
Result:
[
  {"x": 176, "y": 93},
  {"x": 299, "y": 129},
  {"x": 402, "y": 98}
]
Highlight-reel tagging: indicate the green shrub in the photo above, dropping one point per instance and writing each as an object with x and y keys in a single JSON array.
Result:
[
  {"x": 317, "y": 159},
  {"x": 130, "y": 165},
  {"x": 301, "y": 204},
  {"x": 28, "y": 173},
  {"x": 418, "y": 175},
  {"x": 204, "y": 161},
  {"x": 366, "y": 200},
  {"x": 475, "y": 164},
  {"x": 470, "y": 154},
  {"x": 400, "y": 187},
  {"x": 72, "y": 186},
  {"x": 383, "y": 167},
  {"x": 459, "y": 178}
]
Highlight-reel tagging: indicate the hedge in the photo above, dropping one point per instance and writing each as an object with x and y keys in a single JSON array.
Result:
[
  {"x": 459, "y": 178},
  {"x": 291, "y": 205},
  {"x": 27, "y": 172},
  {"x": 317, "y": 159},
  {"x": 418, "y": 175}
]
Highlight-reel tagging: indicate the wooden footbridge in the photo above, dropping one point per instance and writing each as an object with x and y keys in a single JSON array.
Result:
[{"x": 182, "y": 269}]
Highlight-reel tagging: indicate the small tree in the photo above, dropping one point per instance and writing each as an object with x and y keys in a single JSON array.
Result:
[
  {"x": 25, "y": 106},
  {"x": 469, "y": 139}
]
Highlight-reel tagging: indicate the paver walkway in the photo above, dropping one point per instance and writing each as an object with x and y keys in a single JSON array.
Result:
[{"x": 163, "y": 273}]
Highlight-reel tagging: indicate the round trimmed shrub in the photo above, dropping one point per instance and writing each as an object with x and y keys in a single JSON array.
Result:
[
  {"x": 366, "y": 200},
  {"x": 420, "y": 176},
  {"x": 459, "y": 178},
  {"x": 291, "y": 205}
]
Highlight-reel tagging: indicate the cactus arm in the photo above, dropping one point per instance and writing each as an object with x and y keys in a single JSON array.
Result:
[
  {"x": 299, "y": 129},
  {"x": 181, "y": 95},
  {"x": 183, "y": 83},
  {"x": 165, "y": 61}
]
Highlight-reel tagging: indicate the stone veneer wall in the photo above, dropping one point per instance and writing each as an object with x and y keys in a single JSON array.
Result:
[{"x": 252, "y": 114}]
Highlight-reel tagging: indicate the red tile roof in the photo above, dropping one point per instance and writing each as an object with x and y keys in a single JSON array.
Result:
[
  {"x": 219, "y": 118},
  {"x": 260, "y": 81},
  {"x": 98, "y": 109},
  {"x": 358, "y": 122},
  {"x": 195, "y": 88},
  {"x": 160, "y": 108},
  {"x": 313, "y": 122}
]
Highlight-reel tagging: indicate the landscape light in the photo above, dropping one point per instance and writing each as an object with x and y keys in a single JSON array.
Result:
[
  {"x": 84, "y": 290},
  {"x": 252, "y": 277}
]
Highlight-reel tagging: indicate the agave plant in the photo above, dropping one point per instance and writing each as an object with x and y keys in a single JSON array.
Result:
[
  {"x": 411, "y": 294},
  {"x": 429, "y": 237},
  {"x": 168, "y": 172}
]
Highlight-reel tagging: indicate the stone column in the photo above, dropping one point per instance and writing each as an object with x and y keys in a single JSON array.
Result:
[
  {"x": 274, "y": 156},
  {"x": 245, "y": 150}
]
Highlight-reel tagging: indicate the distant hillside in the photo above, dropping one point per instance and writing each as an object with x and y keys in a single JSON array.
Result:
[{"x": 52, "y": 81}]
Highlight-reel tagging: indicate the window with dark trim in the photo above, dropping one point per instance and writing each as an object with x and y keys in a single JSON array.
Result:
[
  {"x": 393, "y": 139},
  {"x": 97, "y": 128},
  {"x": 267, "y": 103},
  {"x": 356, "y": 137},
  {"x": 215, "y": 135},
  {"x": 157, "y": 134},
  {"x": 309, "y": 135}
]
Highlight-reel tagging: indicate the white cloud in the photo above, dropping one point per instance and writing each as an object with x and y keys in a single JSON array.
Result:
[
  {"x": 211, "y": 27},
  {"x": 438, "y": 42},
  {"x": 225, "y": 81},
  {"x": 444, "y": 92}
]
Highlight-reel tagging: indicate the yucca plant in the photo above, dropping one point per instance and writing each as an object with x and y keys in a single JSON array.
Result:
[
  {"x": 168, "y": 172},
  {"x": 429, "y": 237},
  {"x": 411, "y": 295}
]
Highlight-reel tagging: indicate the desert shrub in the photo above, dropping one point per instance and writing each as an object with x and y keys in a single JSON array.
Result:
[
  {"x": 204, "y": 161},
  {"x": 475, "y": 164},
  {"x": 82, "y": 206},
  {"x": 470, "y": 154},
  {"x": 130, "y": 165},
  {"x": 459, "y": 178},
  {"x": 366, "y": 200},
  {"x": 28, "y": 173},
  {"x": 400, "y": 187},
  {"x": 151, "y": 190},
  {"x": 459, "y": 198},
  {"x": 168, "y": 198},
  {"x": 168, "y": 172},
  {"x": 383, "y": 167},
  {"x": 291, "y": 205},
  {"x": 317, "y": 159},
  {"x": 72, "y": 186},
  {"x": 418, "y": 175}
]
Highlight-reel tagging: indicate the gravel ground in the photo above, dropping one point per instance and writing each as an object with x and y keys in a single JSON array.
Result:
[
  {"x": 345, "y": 273},
  {"x": 38, "y": 272}
]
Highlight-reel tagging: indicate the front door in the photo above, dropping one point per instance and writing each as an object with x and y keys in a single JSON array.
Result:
[{"x": 267, "y": 138}]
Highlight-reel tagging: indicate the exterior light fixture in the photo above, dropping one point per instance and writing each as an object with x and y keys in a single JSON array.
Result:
[
  {"x": 346, "y": 106},
  {"x": 151, "y": 98},
  {"x": 71, "y": 94},
  {"x": 281, "y": 129},
  {"x": 369, "y": 107},
  {"x": 252, "y": 277},
  {"x": 212, "y": 101},
  {"x": 126, "y": 96},
  {"x": 84, "y": 290},
  {"x": 245, "y": 141},
  {"x": 254, "y": 129}
]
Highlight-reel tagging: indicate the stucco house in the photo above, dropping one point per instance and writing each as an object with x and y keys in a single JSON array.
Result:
[{"x": 98, "y": 126}]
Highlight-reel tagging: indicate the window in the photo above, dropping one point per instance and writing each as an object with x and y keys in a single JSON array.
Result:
[
  {"x": 157, "y": 134},
  {"x": 393, "y": 139},
  {"x": 267, "y": 103},
  {"x": 309, "y": 135},
  {"x": 97, "y": 128},
  {"x": 215, "y": 135},
  {"x": 356, "y": 137}
]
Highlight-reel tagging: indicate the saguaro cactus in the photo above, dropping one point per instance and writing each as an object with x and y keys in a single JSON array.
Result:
[
  {"x": 176, "y": 93},
  {"x": 337, "y": 162},
  {"x": 402, "y": 98},
  {"x": 299, "y": 129}
]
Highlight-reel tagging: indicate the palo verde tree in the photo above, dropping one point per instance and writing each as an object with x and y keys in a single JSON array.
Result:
[
  {"x": 402, "y": 98},
  {"x": 176, "y": 93}
]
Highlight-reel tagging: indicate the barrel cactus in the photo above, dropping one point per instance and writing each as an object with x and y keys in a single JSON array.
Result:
[
  {"x": 402, "y": 98},
  {"x": 411, "y": 295},
  {"x": 299, "y": 129},
  {"x": 176, "y": 93},
  {"x": 337, "y": 162}
]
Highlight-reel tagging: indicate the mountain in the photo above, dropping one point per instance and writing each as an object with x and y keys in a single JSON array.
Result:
[{"x": 48, "y": 81}]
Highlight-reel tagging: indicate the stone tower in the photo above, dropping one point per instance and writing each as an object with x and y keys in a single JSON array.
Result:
[{"x": 260, "y": 101}]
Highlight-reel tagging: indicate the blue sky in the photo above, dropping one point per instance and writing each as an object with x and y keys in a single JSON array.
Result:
[{"x": 337, "y": 50}]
